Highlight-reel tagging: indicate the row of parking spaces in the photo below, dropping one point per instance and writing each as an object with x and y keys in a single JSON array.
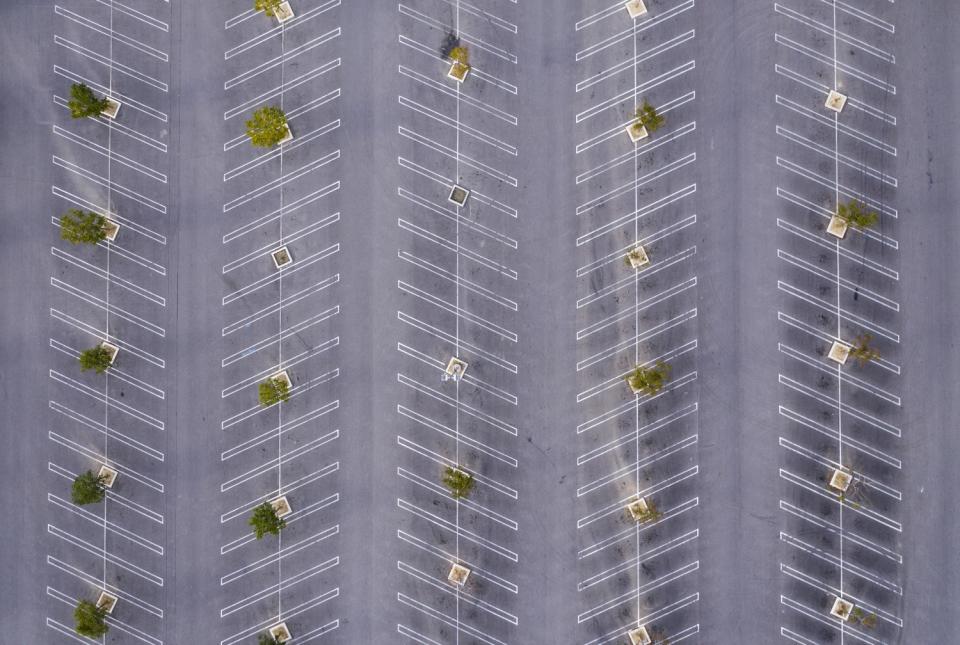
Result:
[
  {"x": 281, "y": 312},
  {"x": 457, "y": 382},
  {"x": 638, "y": 432},
  {"x": 838, "y": 323},
  {"x": 107, "y": 295}
]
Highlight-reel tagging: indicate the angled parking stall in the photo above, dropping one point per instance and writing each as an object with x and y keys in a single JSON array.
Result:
[
  {"x": 839, "y": 323},
  {"x": 108, "y": 425},
  {"x": 456, "y": 387},
  {"x": 280, "y": 432},
  {"x": 636, "y": 312}
]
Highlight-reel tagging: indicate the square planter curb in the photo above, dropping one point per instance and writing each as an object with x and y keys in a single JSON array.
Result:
[
  {"x": 284, "y": 12},
  {"x": 638, "y": 257},
  {"x": 112, "y": 109},
  {"x": 837, "y": 227},
  {"x": 109, "y": 474},
  {"x": 458, "y": 71},
  {"x": 280, "y": 632},
  {"x": 113, "y": 349},
  {"x": 835, "y": 101},
  {"x": 456, "y": 368},
  {"x": 110, "y": 229},
  {"x": 107, "y": 601},
  {"x": 287, "y": 137},
  {"x": 458, "y": 575},
  {"x": 635, "y": 8},
  {"x": 283, "y": 377},
  {"x": 639, "y": 636},
  {"x": 839, "y": 352},
  {"x": 282, "y": 506},
  {"x": 637, "y": 132},
  {"x": 281, "y": 257},
  {"x": 840, "y": 480},
  {"x": 841, "y": 609},
  {"x": 637, "y": 508},
  {"x": 458, "y": 195}
]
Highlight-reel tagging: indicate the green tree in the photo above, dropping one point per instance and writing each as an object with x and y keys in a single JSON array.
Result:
[
  {"x": 87, "y": 488},
  {"x": 96, "y": 358},
  {"x": 862, "y": 351},
  {"x": 83, "y": 102},
  {"x": 79, "y": 227},
  {"x": 459, "y": 482},
  {"x": 269, "y": 7},
  {"x": 648, "y": 117},
  {"x": 267, "y": 639},
  {"x": 649, "y": 380},
  {"x": 857, "y": 215},
  {"x": 90, "y": 620},
  {"x": 267, "y": 127},
  {"x": 264, "y": 520},
  {"x": 273, "y": 390}
]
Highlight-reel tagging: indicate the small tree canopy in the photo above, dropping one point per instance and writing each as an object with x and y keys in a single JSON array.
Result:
[
  {"x": 649, "y": 380},
  {"x": 856, "y": 214},
  {"x": 83, "y": 102},
  {"x": 79, "y": 227},
  {"x": 647, "y": 116},
  {"x": 87, "y": 488},
  {"x": 267, "y": 639},
  {"x": 90, "y": 619},
  {"x": 862, "y": 351},
  {"x": 460, "y": 55},
  {"x": 267, "y": 127},
  {"x": 269, "y": 7},
  {"x": 459, "y": 482},
  {"x": 273, "y": 391},
  {"x": 264, "y": 520},
  {"x": 96, "y": 358}
]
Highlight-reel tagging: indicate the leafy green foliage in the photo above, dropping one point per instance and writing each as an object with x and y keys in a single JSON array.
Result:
[
  {"x": 273, "y": 390},
  {"x": 87, "y": 488},
  {"x": 649, "y": 380},
  {"x": 89, "y": 619},
  {"x": 268, "y": 7},
  {"x": 79, "y": 227},
  {"x": 856, "y": 214},
  {"x": 461, "y": 60},
  {"x": 647, "y": 116},
  {"x": 83, "y": 102},
  {"x": 267, "y": 127},
  {"x": 459, "y": 482},
  {"x": 862, "y": 351},
  {"x": 96, "y": 358},
  {"x": 264, "y": 520},
  {"x": 866, "y": 620}
]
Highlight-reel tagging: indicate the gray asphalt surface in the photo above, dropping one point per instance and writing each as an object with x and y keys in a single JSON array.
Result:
[{"x": 730, "y": 200}]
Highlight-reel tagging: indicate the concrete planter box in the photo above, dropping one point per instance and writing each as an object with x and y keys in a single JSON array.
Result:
[
  {"x": 841, "y": 609},
  {"x": 639, "y": 636},
  {"x": 458, "y": 575},
  {"x": 637, "y": 132},
  {"x": 280, "y": 632},
  {"x": 456, "y": 368},
  {"x": 109, "y": 476},
  {"x": 458, "y": 195},
  {"x": 284, "y": 12},
  {"x": 839, "y": 352},
  {"x": 281, "y": 257},
  {"x": 110, "y": 230},
  {"x": 283, "y": 377},
  {"x": 638, "y": 508},
  {"x": 840, "y": 480},
  {"x": 837, "y": 227},
  {"x": 458, "y": 71},
  {"x": 112, "y": 349},
  {"x": 112, "y": 109},
  {"x": 635, "y": 8},
  {"x": 835, "y": 101},
  {"x": 107, "y": 601},
  {"x": 287, "y": 137},
  {"x": 282, "y": 506},
  {"x": 638, "y": 257}
]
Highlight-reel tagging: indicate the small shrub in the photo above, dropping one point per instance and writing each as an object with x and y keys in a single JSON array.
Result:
[
  {"x": 79, "y": 227},
  {"x": 273, "y": 390},
  {"x": 648, "y": 117},
  {"x": 96, "y": 358},
  {"x": 268, "y": 7},
  {"x": 90, "y": 619},
  {"x": 862, "y": 351},
  {"x": 856, "y": 215},
  {"x": 83, "y": 102},
  {"x": 264, "y": 520},
  {"x": 459, "y": 482},
  {"x": 87, "y": 488},
  {"x": 267, "y": 127},
  {"x": 649, "y": 380}
]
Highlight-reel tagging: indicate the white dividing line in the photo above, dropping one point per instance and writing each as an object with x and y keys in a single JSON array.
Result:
[{"x": 286, "y": 86}]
